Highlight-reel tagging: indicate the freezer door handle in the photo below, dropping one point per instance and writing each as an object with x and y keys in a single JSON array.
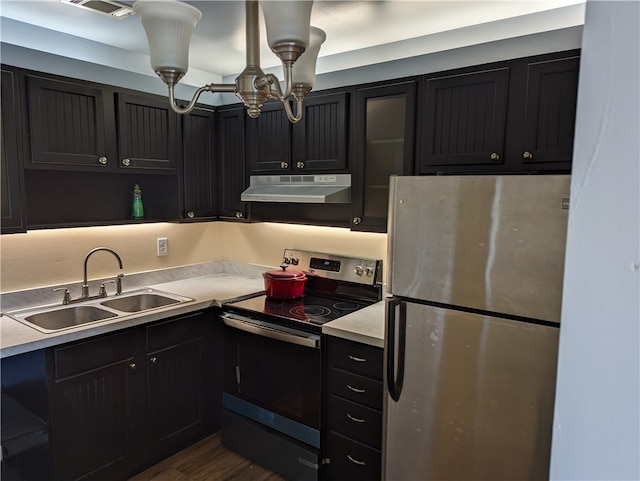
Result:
[{"x": 395, "y": 360}]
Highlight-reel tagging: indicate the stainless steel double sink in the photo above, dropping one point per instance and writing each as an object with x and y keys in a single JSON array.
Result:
[{"x": 54, "y": 318}]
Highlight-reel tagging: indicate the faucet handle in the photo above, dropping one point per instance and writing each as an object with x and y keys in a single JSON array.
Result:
[
  {"x": 103, "y": 290},
  {"x": 66, "y": 299}
]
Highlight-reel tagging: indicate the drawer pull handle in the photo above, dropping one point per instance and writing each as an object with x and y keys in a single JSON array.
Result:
[
  {"x": 357, "y": 359},
  {"x": 355, "y": 461},
  {"x": 356, "y": 420},
  {"x": 355, "y": 389}
]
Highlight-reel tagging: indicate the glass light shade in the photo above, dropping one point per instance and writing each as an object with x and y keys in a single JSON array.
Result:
[
  {"x": 168, "y": 25},
  {"x": 287, "y": 21},
  {"x": 304, "y": 70}
]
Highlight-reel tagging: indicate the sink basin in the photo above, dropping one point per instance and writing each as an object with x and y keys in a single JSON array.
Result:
[
  {"x": 68, "y": 317},
  {"x": 139, "y": 302},
  {"x": 55, "y": 317}
]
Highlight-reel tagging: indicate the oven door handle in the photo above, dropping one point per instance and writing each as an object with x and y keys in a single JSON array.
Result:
[{"x": 274, "y": 332}]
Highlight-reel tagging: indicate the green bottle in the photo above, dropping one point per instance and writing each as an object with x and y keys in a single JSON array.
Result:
[{"x": 137, "y": 210}]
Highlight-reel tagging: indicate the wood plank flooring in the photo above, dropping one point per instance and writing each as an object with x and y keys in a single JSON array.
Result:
[{"x": 207, "y": 460}]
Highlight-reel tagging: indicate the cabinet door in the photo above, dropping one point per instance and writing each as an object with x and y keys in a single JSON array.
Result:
[
  {"x": 180, "y": 381},
  {"x": 384, "y": 126},
  {"x": 199, "y": 164},
  {"x": 320, "y": 138},
  {"x": 70, "y": 124},
  {"x": 269, "y": 140},
  {"x": 94, "y": 406},
  {"x": 233, "y": 177},
  {"x": 464, "y": 120},
  {"x": 550, "y": 111},
  {"x": 12, "y": 202},
  {"x": 147, "y": 133}
]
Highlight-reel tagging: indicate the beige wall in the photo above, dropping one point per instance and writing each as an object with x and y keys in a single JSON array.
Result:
[{"x": 50, "y": 257}]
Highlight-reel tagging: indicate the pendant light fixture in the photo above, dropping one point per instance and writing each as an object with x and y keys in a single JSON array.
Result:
[{"x": 169, "y": 25}]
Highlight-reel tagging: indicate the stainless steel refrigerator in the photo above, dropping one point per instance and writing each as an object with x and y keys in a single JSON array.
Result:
[{"x": 475, "y": 277}]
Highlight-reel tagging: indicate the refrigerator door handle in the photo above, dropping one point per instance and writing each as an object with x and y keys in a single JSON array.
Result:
[{"x": 395, "y": 372}]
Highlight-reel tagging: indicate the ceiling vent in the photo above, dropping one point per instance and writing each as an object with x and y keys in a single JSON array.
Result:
[{"x": 106, "y": 7}]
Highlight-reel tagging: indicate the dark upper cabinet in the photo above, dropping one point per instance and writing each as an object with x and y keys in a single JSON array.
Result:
[
  {"x": 12, "y": 188},
  {"x": 516, "y": 116},
  {"x": 317, "y": 143},
  {"x": 550, "y": 112},
  {"x": 85, "y": 126},
  {"x": 231, "y": 147},
  {"x": 268, "y": 140},
  {"x": 384, "y": 123},
  {"x": 200, "y": 167},
  {"x": 70, "y": 124},
  {"x": 147, "y": 133},
  {"x": 464, "y": 119},
  {"x": 320, "y": 137}
]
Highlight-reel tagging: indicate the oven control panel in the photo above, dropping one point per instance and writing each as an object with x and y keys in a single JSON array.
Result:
[{"x": 334, "y": 266}]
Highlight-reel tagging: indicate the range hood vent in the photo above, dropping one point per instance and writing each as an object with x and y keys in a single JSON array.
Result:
[
  {"x": 106, "y": 7},
  {"x": 317, "y": 189}
]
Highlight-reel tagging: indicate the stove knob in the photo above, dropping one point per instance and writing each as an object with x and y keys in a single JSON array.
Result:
[
  {"x": 358, "y": 270},
  {"x": 286, "y": 260},
  {"x": 294, "y": 261},
  {"x": 368, "y": 271}
]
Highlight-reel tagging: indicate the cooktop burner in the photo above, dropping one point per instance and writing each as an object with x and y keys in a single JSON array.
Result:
[{"x": 309, "y": 309}]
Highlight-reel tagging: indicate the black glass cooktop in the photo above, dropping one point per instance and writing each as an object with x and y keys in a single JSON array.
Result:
[{"x": 310, "y": 309}]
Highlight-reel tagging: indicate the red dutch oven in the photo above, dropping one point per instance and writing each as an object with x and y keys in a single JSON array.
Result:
[{"x": 284, "y": 283}]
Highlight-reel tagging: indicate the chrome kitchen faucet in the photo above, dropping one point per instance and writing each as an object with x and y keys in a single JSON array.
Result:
[{"x": 85, "y": 284}]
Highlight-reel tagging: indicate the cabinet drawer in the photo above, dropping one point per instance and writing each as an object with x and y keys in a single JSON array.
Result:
[
  {"x": 352, "y": 460},
  {"x": 355, "y": 420},
  {"x": 175, "y": 331},
  {"x": 355, "y": 387},
  {"x": 359, "y": 358},
  {"x": 92, "y": 354}
]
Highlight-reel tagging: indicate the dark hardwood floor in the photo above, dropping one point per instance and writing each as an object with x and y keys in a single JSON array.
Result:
[{"x": 207, "y": 460}]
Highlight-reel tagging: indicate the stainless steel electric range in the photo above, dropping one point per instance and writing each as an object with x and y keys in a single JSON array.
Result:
[{"x": 273, "y": 361}]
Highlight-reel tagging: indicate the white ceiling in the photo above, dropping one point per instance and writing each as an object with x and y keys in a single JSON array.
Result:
[{"x": 358, "y": 32}]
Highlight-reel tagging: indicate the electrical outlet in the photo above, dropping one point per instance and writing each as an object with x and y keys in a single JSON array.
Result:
[{"x": 162, "y": 246}]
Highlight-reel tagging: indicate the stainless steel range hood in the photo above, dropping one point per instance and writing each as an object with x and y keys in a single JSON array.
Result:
[{"x": 317, "y": 189}]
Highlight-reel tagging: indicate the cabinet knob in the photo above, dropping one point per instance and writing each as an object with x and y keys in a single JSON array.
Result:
[
  {"x": 239, "y": 214},
  {"x": 102, "y": 160},
  {"x": 527, "y": 155},
  {"x": 153, "y": 360},
  {"x": 132, "y": 366},
  {"x": 284, "y": 165},
  {"x": 357, "y": 220},
  {"x": 300, "y": 165},
  {"x": 126, "y": 162},
  {"x": 190, "y": 214},
  {"x": 495, "y": 156}
]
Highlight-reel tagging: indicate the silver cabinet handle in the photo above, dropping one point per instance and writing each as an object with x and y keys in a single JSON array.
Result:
[
  {"x": 355, "y": 389},
  {"x": 132, "y": 365},
  {"x": 357, "y": 220},
  {"x": 300, "y": 165},
  {"x": 153, "y": 360},
  {"x": 102, "y": 160},
  {"x": 357, "y": 420},
  {"x": 126, "y": 162},
  {"x": 527, "y": 155},
  {"x": 495, "y": 156},
  {"x": 284, "y": 165},
  {"x": 190, "y": 214},
  {"x": 239, "y": 214},
  {"x": 355, "y": 461},
  {"x": 357, "y": 359}
]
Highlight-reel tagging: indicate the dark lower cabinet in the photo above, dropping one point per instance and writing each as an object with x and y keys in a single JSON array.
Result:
[
  {"x": 353, "y": 423},
  {"x": 119, "y": 402}
]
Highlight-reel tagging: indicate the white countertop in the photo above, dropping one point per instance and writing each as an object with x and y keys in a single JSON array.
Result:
[{"x": 365, "y": 325}]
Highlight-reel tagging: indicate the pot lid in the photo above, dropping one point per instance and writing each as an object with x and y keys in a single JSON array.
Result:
[{"x": 284, "y": 272}]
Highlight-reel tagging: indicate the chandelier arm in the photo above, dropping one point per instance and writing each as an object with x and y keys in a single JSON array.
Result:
[
  {"x": 287, "y": 107},
  {"x": 207, "y": 88}
]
